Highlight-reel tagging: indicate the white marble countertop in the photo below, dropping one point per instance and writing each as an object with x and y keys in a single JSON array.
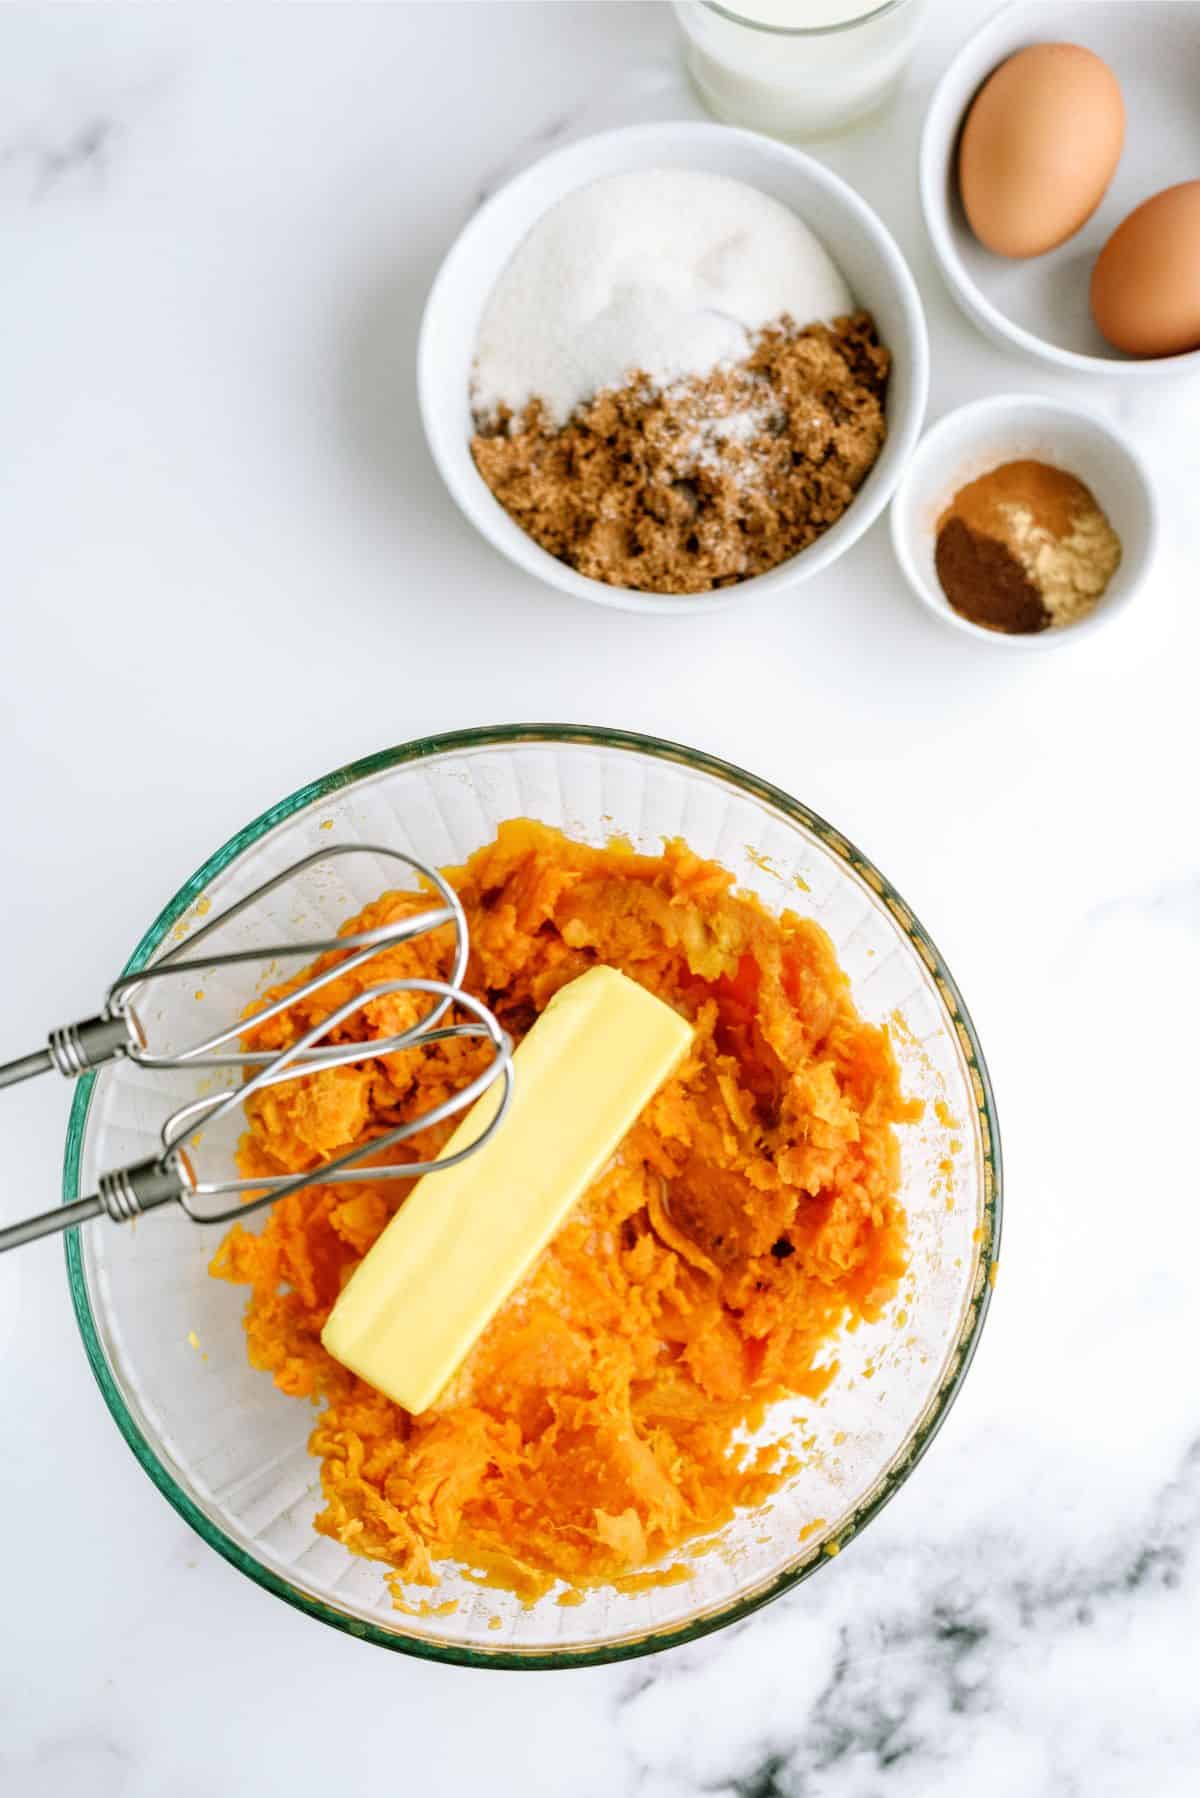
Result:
[{"x": 223, "y": 551}]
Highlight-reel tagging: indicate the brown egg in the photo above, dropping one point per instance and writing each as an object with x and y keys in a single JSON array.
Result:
[
  {"x": 1146, "y": 282},
  {"x": 1041, "y": 143}
]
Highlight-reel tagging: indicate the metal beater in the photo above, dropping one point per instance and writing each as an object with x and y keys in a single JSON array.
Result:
[{"x": 115, "y": 1033}]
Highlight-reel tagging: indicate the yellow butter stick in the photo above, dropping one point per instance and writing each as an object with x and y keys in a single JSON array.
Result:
[{"x": 463, "y": 1239}]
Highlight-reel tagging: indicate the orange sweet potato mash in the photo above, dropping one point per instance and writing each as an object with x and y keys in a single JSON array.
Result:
[{"x": 750, "y": 1214}]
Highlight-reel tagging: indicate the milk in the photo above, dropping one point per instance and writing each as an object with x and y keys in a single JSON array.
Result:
[{"x": 797, "y": 68}]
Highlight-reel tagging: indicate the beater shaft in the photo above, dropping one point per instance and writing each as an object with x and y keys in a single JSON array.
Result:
[
  {"x": 47, "y": 1223},
  {"x": 122, "y": 1195},
  {"x": 12, "y": 1072}
]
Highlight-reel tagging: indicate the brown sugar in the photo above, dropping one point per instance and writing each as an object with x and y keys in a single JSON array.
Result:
[{"x": 709, "y": 481}]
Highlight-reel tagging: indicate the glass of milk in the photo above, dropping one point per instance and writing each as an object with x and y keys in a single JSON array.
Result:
[{"x": 797, "y": 68}]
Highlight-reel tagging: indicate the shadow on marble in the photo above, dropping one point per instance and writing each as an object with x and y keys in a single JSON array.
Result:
[{"x": 379, "y": 420}]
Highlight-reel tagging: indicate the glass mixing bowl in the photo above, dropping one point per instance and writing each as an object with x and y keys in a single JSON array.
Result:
[{"x": 165, "y": 1340}]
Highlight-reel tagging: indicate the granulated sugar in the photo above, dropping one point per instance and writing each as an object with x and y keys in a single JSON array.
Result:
[
  {"x": 670, "y": 273},
  {"x": 718, "y": 421}
]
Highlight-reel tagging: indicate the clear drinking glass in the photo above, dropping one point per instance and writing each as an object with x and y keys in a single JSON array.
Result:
[
  {"x": 165, "y": 1341},
  {"x": 797, "y": 68}
]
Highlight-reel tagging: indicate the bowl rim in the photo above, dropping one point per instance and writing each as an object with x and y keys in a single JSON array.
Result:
[
  {"x": 959, "y": 1360},
  {"x": 482, "y": 510},
  {"x": 1134, "y": 472},
  {"x": 937, "y": 147},
  {"x": 804, "y": 31}
]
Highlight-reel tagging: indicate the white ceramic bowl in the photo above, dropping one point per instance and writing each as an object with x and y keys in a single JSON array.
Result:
[
  {"x": 1007, "y": 428},
  {"x": 1040, "y": 305},
  {"x": 864, "y": 250}
]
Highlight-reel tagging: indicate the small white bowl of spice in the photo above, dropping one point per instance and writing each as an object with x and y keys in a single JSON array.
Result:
[
  {"x": 1024, "y": 523},
  {"x": 673, "y": 366}
]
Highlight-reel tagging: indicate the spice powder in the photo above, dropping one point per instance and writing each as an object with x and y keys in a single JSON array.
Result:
[{"x": 1025, "y": 548}]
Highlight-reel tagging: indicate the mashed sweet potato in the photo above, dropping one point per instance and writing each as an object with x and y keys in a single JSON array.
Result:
[{"x": 750, "y": 1213}]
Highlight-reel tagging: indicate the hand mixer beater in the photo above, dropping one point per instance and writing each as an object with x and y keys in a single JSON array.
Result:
[{"x": 169, "y": 1176}]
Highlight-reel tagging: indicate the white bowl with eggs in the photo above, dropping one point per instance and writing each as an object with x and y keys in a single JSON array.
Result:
[
  {"x": 859, "y": 244},
  {"x": 1011, "y": 427},
  {"x": 1041, "y": 305}
]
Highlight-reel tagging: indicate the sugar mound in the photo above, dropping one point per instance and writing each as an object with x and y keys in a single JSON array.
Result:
[{"x": 669, "y": 272}]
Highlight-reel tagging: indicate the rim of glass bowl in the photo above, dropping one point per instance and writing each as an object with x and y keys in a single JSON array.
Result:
[
  {"x": 807, "y": 1561},
  {"x": 865, "y": 18}
]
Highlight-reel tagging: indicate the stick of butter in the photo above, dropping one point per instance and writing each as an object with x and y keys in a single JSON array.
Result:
[{"x": 463, "y": 1239}]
